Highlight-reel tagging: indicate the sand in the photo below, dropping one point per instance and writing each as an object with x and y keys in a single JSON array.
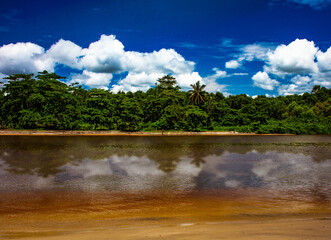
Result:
[
  {"x": 249, "y": 230},
  {"x": 101, "y": 216}
]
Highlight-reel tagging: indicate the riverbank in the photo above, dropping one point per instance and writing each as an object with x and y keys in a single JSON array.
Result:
[{"x": 10, "y": 132}]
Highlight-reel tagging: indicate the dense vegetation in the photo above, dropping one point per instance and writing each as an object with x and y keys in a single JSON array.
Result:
[{"x": 44, "y": 102}]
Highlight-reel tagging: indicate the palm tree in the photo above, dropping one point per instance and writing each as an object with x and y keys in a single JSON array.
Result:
[{"x": 197, "y": 94}]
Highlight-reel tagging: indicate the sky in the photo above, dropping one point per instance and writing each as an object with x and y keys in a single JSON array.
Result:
[{"x": 254, "y": 47}]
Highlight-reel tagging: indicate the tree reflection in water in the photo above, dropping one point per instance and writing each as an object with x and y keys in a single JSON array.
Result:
[{"x": 133, "y": 163}]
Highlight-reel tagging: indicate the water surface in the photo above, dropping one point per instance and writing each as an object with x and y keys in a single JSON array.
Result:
[{"x": 85, "y": 182}]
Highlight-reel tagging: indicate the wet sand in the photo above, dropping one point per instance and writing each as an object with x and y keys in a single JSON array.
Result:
[
  {"x": 239, "y": 214},
  {"x": 253, "y": 230}
]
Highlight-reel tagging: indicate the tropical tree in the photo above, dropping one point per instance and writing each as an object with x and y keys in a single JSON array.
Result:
[
  {"x": 197, "y": 94},
  {"x": 167, "y": 83}
]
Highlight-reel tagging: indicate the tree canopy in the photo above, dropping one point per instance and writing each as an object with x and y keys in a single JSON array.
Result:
[{"x": 45, "y": 102}]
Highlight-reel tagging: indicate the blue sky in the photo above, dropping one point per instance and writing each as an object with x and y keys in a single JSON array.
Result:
[{"x": 255, "y": 47}]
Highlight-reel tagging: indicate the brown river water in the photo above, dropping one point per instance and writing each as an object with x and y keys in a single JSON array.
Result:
[{"x": 172, "y": 187}]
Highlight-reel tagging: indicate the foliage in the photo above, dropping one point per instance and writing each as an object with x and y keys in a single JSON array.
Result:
[
  {"x": 45, "y": 102},
  {"x": 197, "y": 94}
]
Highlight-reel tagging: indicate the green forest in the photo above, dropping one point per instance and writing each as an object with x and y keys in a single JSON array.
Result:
[{"x": 45, "y": 102}]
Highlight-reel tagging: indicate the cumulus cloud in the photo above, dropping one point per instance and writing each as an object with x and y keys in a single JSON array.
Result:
[
  {"x": 283, "y": 63},
  {"x": 296, "y": 58},
  {"x": 301, "y": 80},
  {"x": 108, "y": 56},
  {"x": 232, "y": 64},
  {"x": 136, "y": 81},
  {"x": 322, "y": 78},
  {"x": 143, "y": 81},
  {"x": 185, "y": 80},
  {"x": 297, "y": 66},
  {"x": 93, "y": 79},
  {"x": 262, "y": 80},
  {"x": 99, "y": 62},
  {"x": 103, "y": 60},
  {"x": 66, "y": 53},
  {"x": 163, "y": 61},
  {"x": 299, "y": 84},
  {"x": 104, "y": 56},
  {"x": 324, "y": 60},
  {"x": 23, "y": 58},
  {"x": 289, "y": 89}
]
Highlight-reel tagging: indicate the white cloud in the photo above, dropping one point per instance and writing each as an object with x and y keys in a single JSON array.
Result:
[
  {"x": 185, "y": 80},
  {"x": 262, "y": 80},
  {"x": 255, "y": 51},
  {"x": 104, "y": 55},
  {"x": 324, "y": 60},
  {"x": 23, "y": 58},
  {"x": 66, "y": 53},
  {"x": 248, "y": 53},
  {"x": 240, "y": 74},
  {"x": 163, "y": 61},
  {"x": 136, "y": 81},
  {"x": 268, "y": 95},
  {"x": 232, "y": 64},
  {"x": 296, "y": 58},
  {"x": 300, "y": 84},
  {"x": 289, "y": 89},
  {"x": 99, "y": 62},
  {"x": 145, "y": 68},
  {"x": 218, "y": 74},
  {"x": 301, "y": 80},
  {"x": 302, "y": 62},
  {"x": 143, "y": 81},
  {"x": 92, "y": 79},
  {"x": 322, "y": 78},
  {"x": 108, "y": 56},
  {"x": 211, "y": 82},
  {"x": 216, "y": 87}
]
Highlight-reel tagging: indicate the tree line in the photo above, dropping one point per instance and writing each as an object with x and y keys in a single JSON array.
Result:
[{"x": 45, "y": 102}]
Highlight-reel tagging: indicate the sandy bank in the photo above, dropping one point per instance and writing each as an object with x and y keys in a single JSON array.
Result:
[{"x": 7, "y": 132}]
